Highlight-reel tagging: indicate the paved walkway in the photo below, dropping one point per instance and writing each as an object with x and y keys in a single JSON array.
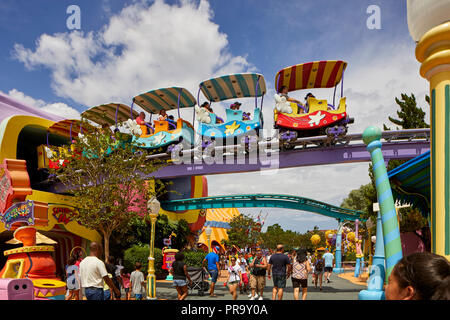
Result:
[{"x": 338, "y": 289}]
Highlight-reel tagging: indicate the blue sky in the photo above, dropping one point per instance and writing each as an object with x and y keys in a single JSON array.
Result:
[{"x": 126, "y": 47}]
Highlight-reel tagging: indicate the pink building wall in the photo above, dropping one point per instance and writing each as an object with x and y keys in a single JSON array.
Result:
[{"x": 411, "y": 243}]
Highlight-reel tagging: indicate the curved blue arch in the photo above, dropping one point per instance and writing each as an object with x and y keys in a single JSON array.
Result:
[{"x": 263, "y": 201}]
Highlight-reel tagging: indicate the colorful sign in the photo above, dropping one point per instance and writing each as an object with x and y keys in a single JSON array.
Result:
[
  {"x": 19, "y": 212},
  {"x": 168, "y": 258},
  {"x": 167, "y": 242},
  {"x": 6, "y": 189},
  {"x": 62, "y": 214}
]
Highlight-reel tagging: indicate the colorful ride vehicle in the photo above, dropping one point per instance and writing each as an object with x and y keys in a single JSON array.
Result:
[
  {"x": 317, "y": 116},
  {"x": 112, "y": 114},
  {"x": 49, "y": 157},
  {"x": 165, "y": 132},
  {"x": 237, "y": 124}
]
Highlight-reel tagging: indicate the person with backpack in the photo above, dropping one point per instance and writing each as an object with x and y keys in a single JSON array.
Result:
[{"x": 319, "y": 266}]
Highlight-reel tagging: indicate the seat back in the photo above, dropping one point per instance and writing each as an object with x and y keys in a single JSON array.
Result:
[
  {"x": 233, "y": 115},
  {"x": 342, "y": 106},
  {"x": 161, "y": 126},
  {"x": 316, "y": 104}
]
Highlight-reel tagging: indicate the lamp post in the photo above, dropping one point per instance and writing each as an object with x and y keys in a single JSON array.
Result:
[
  {"x": 429, "y": 26},
  {"x": 153, "y": 207},
  {"x": 208, "y": 232},
  {"x": 377, "y": 270}
]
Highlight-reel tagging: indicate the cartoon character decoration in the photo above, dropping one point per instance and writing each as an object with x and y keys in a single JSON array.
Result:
[
  {"x": 315, "y": 239},
  {"x": 202, "y": 114},
  {"x": 330, "y": 238},
  {"x": 350, "y": 242},
  {"x": 282, "y": 105}
]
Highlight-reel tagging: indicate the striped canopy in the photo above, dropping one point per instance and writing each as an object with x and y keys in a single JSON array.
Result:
[
  {"x": 165, "y": 98},
  {"x": 233, "y": 86},
  {"x": 69, "y": 126},
  {"x": 317, "y": 74},
  {"x": 107, "y": 113},
  {"x": 218, "y": 219},
  {"x": 411, "y": 182}
]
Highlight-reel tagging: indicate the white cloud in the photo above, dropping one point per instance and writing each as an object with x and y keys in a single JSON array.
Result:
[
  {"x": 58, "y": 108},
  {"x": 144, "y": 47}
]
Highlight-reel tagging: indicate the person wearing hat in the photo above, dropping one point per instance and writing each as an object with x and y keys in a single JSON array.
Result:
[
  {"x": 212, "y": 260},
  {"x": 236, "y": 106}
]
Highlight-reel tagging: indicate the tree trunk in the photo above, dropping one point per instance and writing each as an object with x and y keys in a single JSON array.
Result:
[{"x": 106, "y": 237}]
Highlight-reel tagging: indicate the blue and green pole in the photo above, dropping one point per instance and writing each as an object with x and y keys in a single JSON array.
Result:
[
  {"x": 391, "y": 231},
  {"x": 377, "y": 271},
  {"x": 338, "y": 253}
]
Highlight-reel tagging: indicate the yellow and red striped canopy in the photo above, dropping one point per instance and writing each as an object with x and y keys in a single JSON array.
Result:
[
  {"x": 69, "y": 127},
  {"x": 218, "y": 219},
  {"x": 316, "y": 74}
]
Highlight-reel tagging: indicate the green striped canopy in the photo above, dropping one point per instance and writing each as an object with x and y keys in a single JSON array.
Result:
[
  {"x": 233, "y": 86},
  {"x": 166, "y": 98},
  {"x": 106, "y": 113},
  {"x": 411, "y": 183}
]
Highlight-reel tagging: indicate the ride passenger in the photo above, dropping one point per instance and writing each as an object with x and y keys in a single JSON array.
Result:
[
  {"x": 283, "y": 93},
  {"x": 140, "y": 120},
  {"x": 162, "y": 115},
  {"x": 236, "y": 106},
  {"x": 207, "y": 106},
  {"x": 306, "y": 99},
  {"x": 172, "y": 123}
]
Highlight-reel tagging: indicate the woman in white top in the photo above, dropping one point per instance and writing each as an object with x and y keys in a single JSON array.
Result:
[{"x": 234, "y": 277}]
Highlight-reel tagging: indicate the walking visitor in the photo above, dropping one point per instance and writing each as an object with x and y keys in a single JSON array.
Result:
[
  {"x": 72, "y": 280},
  {"x": 234, "y": 277},
  {"x": 137, "y": 282},
  {"x": 180, "y": 274},
  {"x": 280, "y": 267},
  {"x": 212, "y": 260},
  {"x": 319, "y": 266},
  {"x": 243, "y": 285},
  {"x": 93, "y": 273},
  {"x": 125, "y": 283},
  {"x": 258, "y": 276},
  {"x": 329, "y": 264},
  {"x": 300, "y": 269}
]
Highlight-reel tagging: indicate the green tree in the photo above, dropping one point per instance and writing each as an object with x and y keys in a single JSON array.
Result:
[
  {"x": 410, "y": 115},
  {"x": 110, "y": 181},
  {"x": 243, "y": 232}
]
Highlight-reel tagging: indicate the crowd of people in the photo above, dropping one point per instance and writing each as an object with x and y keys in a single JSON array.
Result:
[{"x": 420, "y": 276}]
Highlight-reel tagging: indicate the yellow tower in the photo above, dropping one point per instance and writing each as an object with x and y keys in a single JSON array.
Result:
[{"x": 429, "y": 26}]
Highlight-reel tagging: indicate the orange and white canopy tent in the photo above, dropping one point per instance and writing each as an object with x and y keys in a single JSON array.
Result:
[{"x": 218, "y": 220}]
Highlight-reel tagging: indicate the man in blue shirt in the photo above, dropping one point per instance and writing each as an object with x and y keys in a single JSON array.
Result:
[
  {"x": 212, "y": 259},
  {"x": 328, "y": 257}
]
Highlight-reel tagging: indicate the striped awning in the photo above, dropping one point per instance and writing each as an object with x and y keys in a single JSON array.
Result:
[
  {"x": 69, "y": 127},
  {"x": 218, "y": 220},
  {"x": 234, "y": 86},
  {"x": 109, "y": 114},
  {"x": 317, "y": 74},
  {"x": 410, "y": 183},
  {"x": 165, "y": 98}
]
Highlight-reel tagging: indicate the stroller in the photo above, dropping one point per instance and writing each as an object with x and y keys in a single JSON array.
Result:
[{"x": 199, "y": 277}]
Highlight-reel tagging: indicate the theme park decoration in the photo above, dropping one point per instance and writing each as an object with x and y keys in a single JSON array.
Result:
[
  {"x": 330, "y": 237},
  {"x": 391, "y": 231},
  {"x": 35, "y": 263},
  {"x": 168, "y": 259},
  {"x": 429, "y": 26},
  {"x": 16, "y": 289},
  {"x": 315, "y": 239}
]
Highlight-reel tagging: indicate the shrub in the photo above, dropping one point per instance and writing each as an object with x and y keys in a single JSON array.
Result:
[
  {"x": 194, "y": 258},
  {"x": 140, "y": 254}
]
